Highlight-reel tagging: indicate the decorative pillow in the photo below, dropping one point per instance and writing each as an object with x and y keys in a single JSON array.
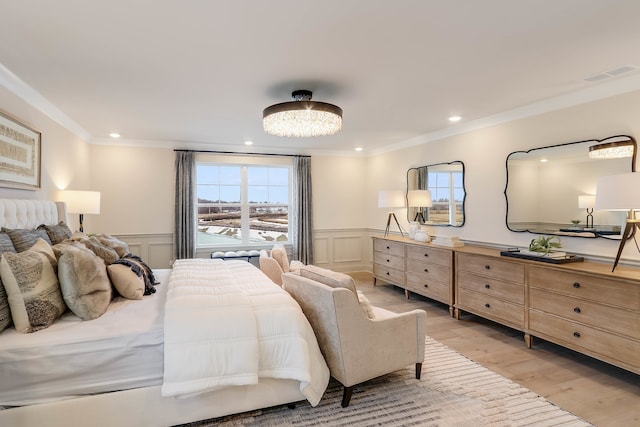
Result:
[
  {"x": 366, "y": 305},
  {"x": 5, "y": 313},
  {"x": 84, "y": 282},
  {"x": 108, "y": 255},
  {"x": 121, "y": 248},
  {"x": 141, "y": 269},
  {"x": 57, "y": 233},
  {"x": 127, "y": 283},
  {"x": 32, "y": 287},
  {"x": 24, "y": 239},
  {"x": 329, "y": 277},
  {"x": 279, "y": 253}
]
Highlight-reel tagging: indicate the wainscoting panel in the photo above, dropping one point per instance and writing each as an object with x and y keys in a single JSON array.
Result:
[{"x": 346, "y": 250}]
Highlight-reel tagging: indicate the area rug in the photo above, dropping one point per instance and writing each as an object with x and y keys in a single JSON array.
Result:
[{"x": 453, "y": 391}]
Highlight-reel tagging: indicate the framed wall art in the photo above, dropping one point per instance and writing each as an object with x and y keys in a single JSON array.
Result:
[{"x": 20, "y": 150}]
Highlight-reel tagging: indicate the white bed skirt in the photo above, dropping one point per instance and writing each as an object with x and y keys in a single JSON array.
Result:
[{"x": 144, "y": 407}]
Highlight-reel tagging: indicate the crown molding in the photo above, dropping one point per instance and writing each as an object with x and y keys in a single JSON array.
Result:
[{"x": 32, "y": 97}]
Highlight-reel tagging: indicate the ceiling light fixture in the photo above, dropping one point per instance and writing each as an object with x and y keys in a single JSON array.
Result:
[
  {"x": 612, "y": 150},
  {"x": 455, "y": 119},
  {"x": 302, "y": 117}
]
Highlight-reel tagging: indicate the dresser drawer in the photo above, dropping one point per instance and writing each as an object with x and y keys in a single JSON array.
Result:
[
  {"x": 429, "y": 288},
  {"x": 607, "y": 291},
  {"x": 426, "y": 271},
  {"x": 423, "y": 253},
  {"x": 387, "y": 274},
  {"x": 617, "y": 320},
  {"x": 491, "y": 287},
  {"x": 388, "y": 260},
  {"x": 581, "y": 337},
  {"x": 491, "y": 308},
  {"x": 491, "y": 267},
  {"x": 388, "y": 247}
]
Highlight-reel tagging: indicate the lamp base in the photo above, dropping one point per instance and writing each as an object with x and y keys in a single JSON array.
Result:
[
  {"x": 392, "y": 215},
  {"x": 628, "y": 233}
]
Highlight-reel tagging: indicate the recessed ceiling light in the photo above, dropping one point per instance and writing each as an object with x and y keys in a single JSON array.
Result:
[
  {"x": 114, "y": 135},
  {"x": 543, "y": 160},
  {"x": 248, "y": 143},
  {"x": 358, "y": 148},
  {"x": 455, "y": 118}
]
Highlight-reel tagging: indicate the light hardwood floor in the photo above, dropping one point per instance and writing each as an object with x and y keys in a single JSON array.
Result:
[{"x": 598, "y": 392}]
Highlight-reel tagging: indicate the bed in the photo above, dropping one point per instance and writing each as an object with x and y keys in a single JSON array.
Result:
[{"x": 216, "y": 338}]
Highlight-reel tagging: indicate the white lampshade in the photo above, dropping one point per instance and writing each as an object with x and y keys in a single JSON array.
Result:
[
  {"x": 586, "y": 201},
  {"x": 81, "y": 202},
  {"x": 390, "y": 199},
  {"x": 618, "y": 192},
  {"x": 419, "y": 198}
]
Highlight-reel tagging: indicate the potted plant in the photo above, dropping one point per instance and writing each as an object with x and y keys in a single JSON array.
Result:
[{"x": 545, "y": 244}]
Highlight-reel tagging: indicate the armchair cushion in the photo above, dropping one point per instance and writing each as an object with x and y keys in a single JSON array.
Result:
[
  {"x": 279, "y": 253},
  {"x": 329, "y": 277}
]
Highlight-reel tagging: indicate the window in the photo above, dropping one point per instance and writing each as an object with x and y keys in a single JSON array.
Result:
[
  {"x": 242, "y": 204},
  {"x": 447, "y": 193}
]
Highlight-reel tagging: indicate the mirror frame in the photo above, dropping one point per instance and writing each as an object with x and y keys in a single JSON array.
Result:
[
  {"x": 591, "y": 141},
  {"x": 442, "y": 224}
]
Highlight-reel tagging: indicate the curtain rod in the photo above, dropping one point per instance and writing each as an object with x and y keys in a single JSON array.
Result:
[{"x": 237, "y": 153}]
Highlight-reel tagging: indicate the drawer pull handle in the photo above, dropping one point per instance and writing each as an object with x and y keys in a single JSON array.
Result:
[
  {"x": 576, "y": 334},
  {"x": 576, "y": 285},
  {"x": 388, "y": 260},
  {"x": 487, "y": 267},
  {"x": 488, "y": 286},
  {"x": 487, "y": 305},
  {"x": 426, "y": 270},
  {"x": 426, "y": 286},
  {"x": 426, "y": 254},
  {"x": 577, "y": 310},
  {"x": 388, "y": 274},
  {"x": 388, "y": 247}
]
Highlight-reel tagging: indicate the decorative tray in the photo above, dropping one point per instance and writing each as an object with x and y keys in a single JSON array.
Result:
[{"x": 541, "y": 258}]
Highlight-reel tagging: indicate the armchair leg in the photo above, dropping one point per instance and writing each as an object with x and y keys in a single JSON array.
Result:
[
  {"x": 418, "y": 370},
  {"x": 346, "y": 396}
]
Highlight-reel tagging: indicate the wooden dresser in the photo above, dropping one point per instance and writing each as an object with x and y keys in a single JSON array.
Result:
[
  {"x": 417, "y": 267},
  {"x": 582, "y": 306}
]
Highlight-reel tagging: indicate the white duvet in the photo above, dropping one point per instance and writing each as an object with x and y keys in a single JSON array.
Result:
[{"x": 227, "y": 324}]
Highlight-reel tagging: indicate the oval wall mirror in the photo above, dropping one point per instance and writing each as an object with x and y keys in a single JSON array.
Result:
[
  {"x": 551, "y": 190},
  {"x": 436, "y": 194}
]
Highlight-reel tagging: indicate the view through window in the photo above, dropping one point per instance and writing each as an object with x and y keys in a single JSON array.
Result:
[{"x": 242, "y": 204}]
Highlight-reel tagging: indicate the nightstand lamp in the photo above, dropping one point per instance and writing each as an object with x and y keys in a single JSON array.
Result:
[
  {"x": 391, "y": 199},
  {"x": 81, "y": 202},
  {"x": 620, "y": 193}
]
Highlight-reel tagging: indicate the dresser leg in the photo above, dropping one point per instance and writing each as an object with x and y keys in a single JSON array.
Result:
[
  {"x": 374, "y": 281},
  {"x": 528, "y": 340},
  {"x": 456, "y": 313},
  {"x": 407, "y": 293},
  {"x": 452, "y": 312}
]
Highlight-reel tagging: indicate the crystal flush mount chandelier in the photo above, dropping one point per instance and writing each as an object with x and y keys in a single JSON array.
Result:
[
  {"x": 302, "y": 117},
  {"x": 612, "y": 150}
]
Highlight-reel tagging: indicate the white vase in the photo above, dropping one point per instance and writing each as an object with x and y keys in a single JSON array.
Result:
[
  {"x": 414, "y": 226},
  {"x": 421, "y": 236}
]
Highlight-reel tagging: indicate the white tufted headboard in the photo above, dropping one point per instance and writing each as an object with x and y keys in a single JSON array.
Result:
[{"x": 18, "y": 213}]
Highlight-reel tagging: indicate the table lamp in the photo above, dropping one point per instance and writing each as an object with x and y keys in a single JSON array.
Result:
[
  {"x": 587, "y": 202},
  {"x": 391, "y": 199},
  {"x": 81, "y": 202},
  {"x": 419, "y": 199}
]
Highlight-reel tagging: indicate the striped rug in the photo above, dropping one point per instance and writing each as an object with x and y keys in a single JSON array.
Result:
[{"x": 453, "y": 391}]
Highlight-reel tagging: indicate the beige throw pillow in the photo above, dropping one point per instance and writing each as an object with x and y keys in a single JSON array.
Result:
[
  {"x": 328, "y": 277},
  {"x": 31, "y": 283},
  {"x": 127, "y": 283},
  {"x": 84, "y": 283}
]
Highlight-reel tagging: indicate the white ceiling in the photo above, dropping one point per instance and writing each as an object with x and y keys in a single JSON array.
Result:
[{"x": 198, "y": 73}]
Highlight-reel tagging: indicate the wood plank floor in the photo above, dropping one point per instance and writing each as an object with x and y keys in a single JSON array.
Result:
[{"x": 596, "y": 391}]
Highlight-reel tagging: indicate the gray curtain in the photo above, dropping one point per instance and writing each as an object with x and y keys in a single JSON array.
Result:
[
  {"x": 184, "y": 236},
  {"x": 302, "y": 215}
]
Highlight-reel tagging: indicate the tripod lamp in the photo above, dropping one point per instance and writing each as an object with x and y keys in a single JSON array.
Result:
[
  {"x": 391, "y": 199},
  {"x": 81, "y": 202},
  {"x": 620, "y": 193},
  {"x": 419, "y": 199},
  {"x": 587, "y": 202}
]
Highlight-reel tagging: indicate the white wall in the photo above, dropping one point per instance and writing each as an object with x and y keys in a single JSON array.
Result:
[
  {"x": 484, "y": 153},
  {"x": 65, "y": 157}
]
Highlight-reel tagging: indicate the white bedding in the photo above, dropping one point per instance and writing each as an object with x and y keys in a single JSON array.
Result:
[
  {"x": 120, "y": 350},
  {"x": 227, "y": 324}
]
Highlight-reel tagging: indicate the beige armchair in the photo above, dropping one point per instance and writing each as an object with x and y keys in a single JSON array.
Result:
[
  {"x": 357, "y": 348},
  {"x": 275, "y": 262}
]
